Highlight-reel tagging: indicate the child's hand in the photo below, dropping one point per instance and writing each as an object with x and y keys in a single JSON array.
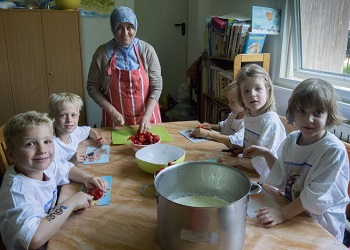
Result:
[
  {"x": 80, "y": 201},
  {"x": 94, "y": 182},
  {"x": 269, "y": 217},
  {"x": 206, "y": 125},
  {"x": 78, "y": 157},
  {"x": 200, "y": 132},
  {"x": 100, "y": 141},
  {"x": 233, "y": 161},
  {"x": 254, "y": 151},
  {"x": 236, "y": 150}
]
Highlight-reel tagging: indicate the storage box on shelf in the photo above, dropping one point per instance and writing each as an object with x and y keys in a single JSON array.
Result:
[{"x": 217, "y": 73}]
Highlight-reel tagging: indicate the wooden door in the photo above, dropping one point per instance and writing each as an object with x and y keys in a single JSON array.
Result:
[
  {"x": 6, "y": 102},
  {"x": 26, "y": 60},
  {"x": 62, "y": 42}
]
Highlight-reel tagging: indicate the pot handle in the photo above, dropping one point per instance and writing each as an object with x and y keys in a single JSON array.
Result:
[
  {"x": 145, "y": 192},
  {"x": 255, "y": 187}
]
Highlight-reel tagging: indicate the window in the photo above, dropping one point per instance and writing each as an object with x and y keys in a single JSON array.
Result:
[{"x": 316, "y": 43}]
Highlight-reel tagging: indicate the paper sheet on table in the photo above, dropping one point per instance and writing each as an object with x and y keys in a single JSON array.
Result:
[
  {"x": 187, "y": 133},
  {"x": 98, "y": 154},
  {"x": 106, "y": 199},
  {"x": 262, "y": 199},
  {"x": 121, "y": 135}
]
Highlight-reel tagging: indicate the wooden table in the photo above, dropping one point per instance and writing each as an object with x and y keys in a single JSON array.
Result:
[{"x": 130, "y": 220}]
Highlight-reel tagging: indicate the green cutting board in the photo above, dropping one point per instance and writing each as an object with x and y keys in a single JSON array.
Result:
[{"x": 121, "y": 136}]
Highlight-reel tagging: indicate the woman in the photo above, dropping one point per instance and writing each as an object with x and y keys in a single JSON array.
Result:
[{"x": 125, "y": 76}]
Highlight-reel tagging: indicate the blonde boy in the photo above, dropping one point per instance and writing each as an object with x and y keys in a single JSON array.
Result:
[
  {"x": 29, "y": 216},
  {"x": 65, "y": 109},
  {"x": 231, "y": 130}
]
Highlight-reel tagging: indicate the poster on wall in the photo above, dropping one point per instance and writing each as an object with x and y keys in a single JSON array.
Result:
[
  {"x": 87, "y": 8},
  {"x": 96, "y": 8},
  {"x": 266, "y": 20}
]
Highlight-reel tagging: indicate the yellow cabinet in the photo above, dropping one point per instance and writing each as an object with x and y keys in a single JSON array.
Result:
[{"x": 43, "y": 56}]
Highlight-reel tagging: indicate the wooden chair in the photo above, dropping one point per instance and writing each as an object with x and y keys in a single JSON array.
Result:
[
  {"x": 289, "y": 127},
  {"x": 242, "y": 59},
  {"x": 4, "y": 163}
]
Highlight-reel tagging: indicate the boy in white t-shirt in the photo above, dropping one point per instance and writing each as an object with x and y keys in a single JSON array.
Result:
[
  {"x": 231, "y": 131},
  {"x": 29, "y": 216},
  {"x": 65, "y": 109}
]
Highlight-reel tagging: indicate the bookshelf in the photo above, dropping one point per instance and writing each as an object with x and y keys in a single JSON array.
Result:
[
  {"x": 217, "y": 72},
  {"x": 227, "y": 38}
]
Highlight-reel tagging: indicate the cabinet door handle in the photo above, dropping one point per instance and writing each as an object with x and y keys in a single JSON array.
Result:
[{"x": 50, "y": 73}]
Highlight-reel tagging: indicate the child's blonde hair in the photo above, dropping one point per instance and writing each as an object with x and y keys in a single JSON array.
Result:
[
  {"x": 19, "y": 124},
  {"x": 57, "y": 101},
  {"x": 230, "y": 89},
  {"x": 315, "y": 92},
  {"x": 254, "y": 70}
]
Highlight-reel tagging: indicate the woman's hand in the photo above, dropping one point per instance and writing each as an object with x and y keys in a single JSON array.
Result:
[
  {"x": 145, "y": 125},
  {"x": 117, "y": 118},
  {"x": 269, "y": 217}
]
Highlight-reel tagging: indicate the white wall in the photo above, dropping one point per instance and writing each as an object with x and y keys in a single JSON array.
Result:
[{"x": 95, "y": 31}]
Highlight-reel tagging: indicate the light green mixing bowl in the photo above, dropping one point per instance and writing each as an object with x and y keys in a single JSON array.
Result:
[{"x": 156, "y": 156}]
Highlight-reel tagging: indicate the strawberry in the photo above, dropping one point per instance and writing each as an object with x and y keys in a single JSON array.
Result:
[
  {"x": 144, "y": 138},
  {"x": 157, "y": 172},
  {"x": 96, "y": 193}
]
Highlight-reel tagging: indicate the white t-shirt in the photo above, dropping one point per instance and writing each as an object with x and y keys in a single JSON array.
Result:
[
  {"x": 234, "y": 128},
  {"x": 66, "y": 151},
  {"x": 319, "y": 174},
  {"x": 24, "y": 201},
  {"x": 264, "y": 130}
]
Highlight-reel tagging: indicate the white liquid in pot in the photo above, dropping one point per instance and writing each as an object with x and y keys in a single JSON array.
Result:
[{"x": 201, "y": 201}]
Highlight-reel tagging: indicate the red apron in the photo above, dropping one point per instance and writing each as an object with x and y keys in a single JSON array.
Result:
[{"x": 129, "y": 93}]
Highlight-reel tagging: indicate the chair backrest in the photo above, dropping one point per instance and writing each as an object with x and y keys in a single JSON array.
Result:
[
  {"x": 5, "y": 163},
  {"x": 241, "y": 59}
]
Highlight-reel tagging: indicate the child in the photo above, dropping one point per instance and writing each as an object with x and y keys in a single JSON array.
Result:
[
  {"x": 263, "y": 126},
  {"x": 65, "y": 109},
  {"x": 232, "y": 129},
  {"x": 312, "y": 167},
  {"x": 28, "y": 214}
]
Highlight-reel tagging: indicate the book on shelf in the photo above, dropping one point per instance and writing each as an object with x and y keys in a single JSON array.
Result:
[
  {"x": 216, "y": 41},
  {"x": 240, "y": 36},
  {"x": 219, "y": 23},
  {"x": 225, "y": 79},
  {"x": 219, "y": 79},
  {"x": 254, "y": 44},
  {"x": 234, "y": 17},
  {"x": 223, "y": 35},
  {"x": 217, "y": 111}
]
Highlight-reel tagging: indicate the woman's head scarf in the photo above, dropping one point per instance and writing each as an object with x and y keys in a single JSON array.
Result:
[{"x": 122, "y": 14}]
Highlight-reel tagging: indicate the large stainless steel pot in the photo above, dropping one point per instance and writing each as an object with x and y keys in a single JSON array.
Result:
[{"x": 188, "y": 227}]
